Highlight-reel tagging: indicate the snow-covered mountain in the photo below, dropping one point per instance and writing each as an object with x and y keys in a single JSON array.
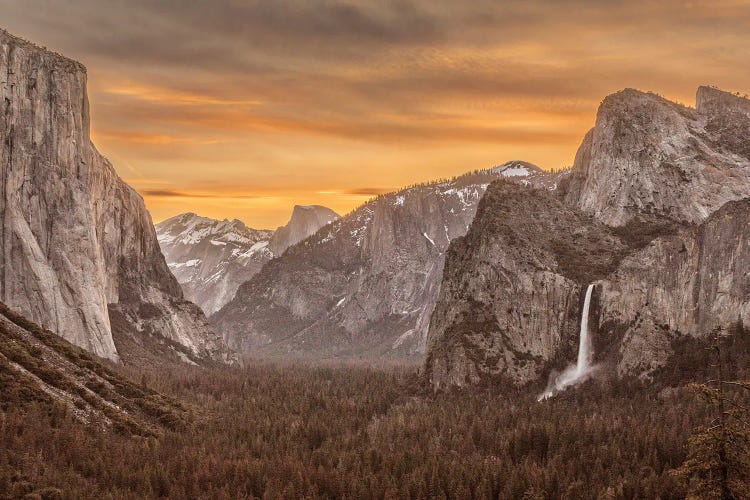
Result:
[
  {"x": 366, "y": 284},
  {"x": 211, "y": 258}
]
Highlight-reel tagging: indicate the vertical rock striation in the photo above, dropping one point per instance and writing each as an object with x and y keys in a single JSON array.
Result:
[
  {"x": 512, "y": 289},
  {"x": 77, "y": 244},
  {"x": 685, "y": 284},
  {"x": 671, "y": 183}
]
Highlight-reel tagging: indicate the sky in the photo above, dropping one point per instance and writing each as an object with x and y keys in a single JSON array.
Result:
[{"x": 244, "y": 108}]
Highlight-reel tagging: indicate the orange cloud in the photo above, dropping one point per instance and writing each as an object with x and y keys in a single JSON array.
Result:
[
  {"x": 168, "y": 193},
  {"x": 242, "y": 109},
  {"x": 170, "y": 96}
]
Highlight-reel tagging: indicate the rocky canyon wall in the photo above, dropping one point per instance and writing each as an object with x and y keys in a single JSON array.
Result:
[{"x": 77, "y": 242}]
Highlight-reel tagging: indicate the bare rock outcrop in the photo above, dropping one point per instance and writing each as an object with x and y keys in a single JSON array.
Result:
[
  {"x": 304, "y": 222},
  {"x": 671, "y": 183},
  {"x": 685, "y": 284},
  {"x": 511, "y": 294},
  {"x": 77, "y": 242},
  {"x": 649, "y": 156},
  {"x": 365, "y": 285}
]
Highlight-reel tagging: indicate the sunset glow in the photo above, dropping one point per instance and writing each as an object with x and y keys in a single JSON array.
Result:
[{"x": 244, "y": 111}]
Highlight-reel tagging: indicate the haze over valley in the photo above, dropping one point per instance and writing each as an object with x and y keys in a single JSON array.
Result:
[{"x": 550, "y": 325}]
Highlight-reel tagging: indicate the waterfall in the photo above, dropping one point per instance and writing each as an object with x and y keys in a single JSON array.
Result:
[
  {"x": 579, "y": 372},
  {"x": 584, "y": 344}
]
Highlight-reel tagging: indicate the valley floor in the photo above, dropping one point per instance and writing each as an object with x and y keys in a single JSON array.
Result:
[{"x": 275, "y": 430}]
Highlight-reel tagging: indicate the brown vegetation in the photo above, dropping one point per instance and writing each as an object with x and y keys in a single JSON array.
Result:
[
  {"x": 40, "y": 369},
  {"x": 296, "y": 430},
  {"x": 301, "y": 431}
]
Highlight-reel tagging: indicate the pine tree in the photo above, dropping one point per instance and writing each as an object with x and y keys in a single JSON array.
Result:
[{"x": 718, "y": 462}]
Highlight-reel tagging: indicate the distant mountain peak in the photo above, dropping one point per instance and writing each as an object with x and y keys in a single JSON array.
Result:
[
  {"x": 210, "y": 258},
  {"x": 517, "y": 168},
  {"x": 366, "y": 284},
  {"x": 305, "y": 221}
]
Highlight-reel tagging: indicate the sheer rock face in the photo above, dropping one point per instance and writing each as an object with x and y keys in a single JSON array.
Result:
[
  {"x": 305, "y": 221},
  {"x": 685, "y": 284},
  {"x": 366, "y": 284},
  {"x": 647, "y": 155},
  {"x": 77, "y": 242},
  {"x": 511, "y": 294},
  {"x": 672, "y": 183},
  {"x": 211, "y": 258}
]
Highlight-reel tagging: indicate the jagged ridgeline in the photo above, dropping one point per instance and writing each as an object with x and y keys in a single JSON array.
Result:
[
  {"x": 211, "y": 258},
  {"x": 364, "y": 285},
  {"x": 79, "y": 252},
  {"x": 654, "y": 212}
]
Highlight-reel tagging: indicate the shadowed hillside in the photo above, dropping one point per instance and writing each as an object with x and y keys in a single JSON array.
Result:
[{"x": 39, "y": 368}]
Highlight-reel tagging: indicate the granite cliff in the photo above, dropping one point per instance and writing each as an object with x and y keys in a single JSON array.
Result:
[
  {"x": 649, "y": 156},
  {"x": 78, "y": 245},
  {"x": 366, "y": 284},
  {"x": 654, "y": 212},
  {"x": 512, "y": 287},
  {"x": 685, "y": 284}
]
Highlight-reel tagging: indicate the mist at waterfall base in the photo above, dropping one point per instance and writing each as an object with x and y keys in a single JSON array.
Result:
[{"x": 582, "y": 370}]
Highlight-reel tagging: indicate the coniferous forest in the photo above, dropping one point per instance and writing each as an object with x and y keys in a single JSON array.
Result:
[
  {"x": 292, "y": 430},
  {"x": 443, "y": 311}
]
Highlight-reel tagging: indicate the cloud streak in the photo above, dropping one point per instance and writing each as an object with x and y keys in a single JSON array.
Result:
[
  {"x": 168, "y": 193},
  {"x": 320, "y": 93}
]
